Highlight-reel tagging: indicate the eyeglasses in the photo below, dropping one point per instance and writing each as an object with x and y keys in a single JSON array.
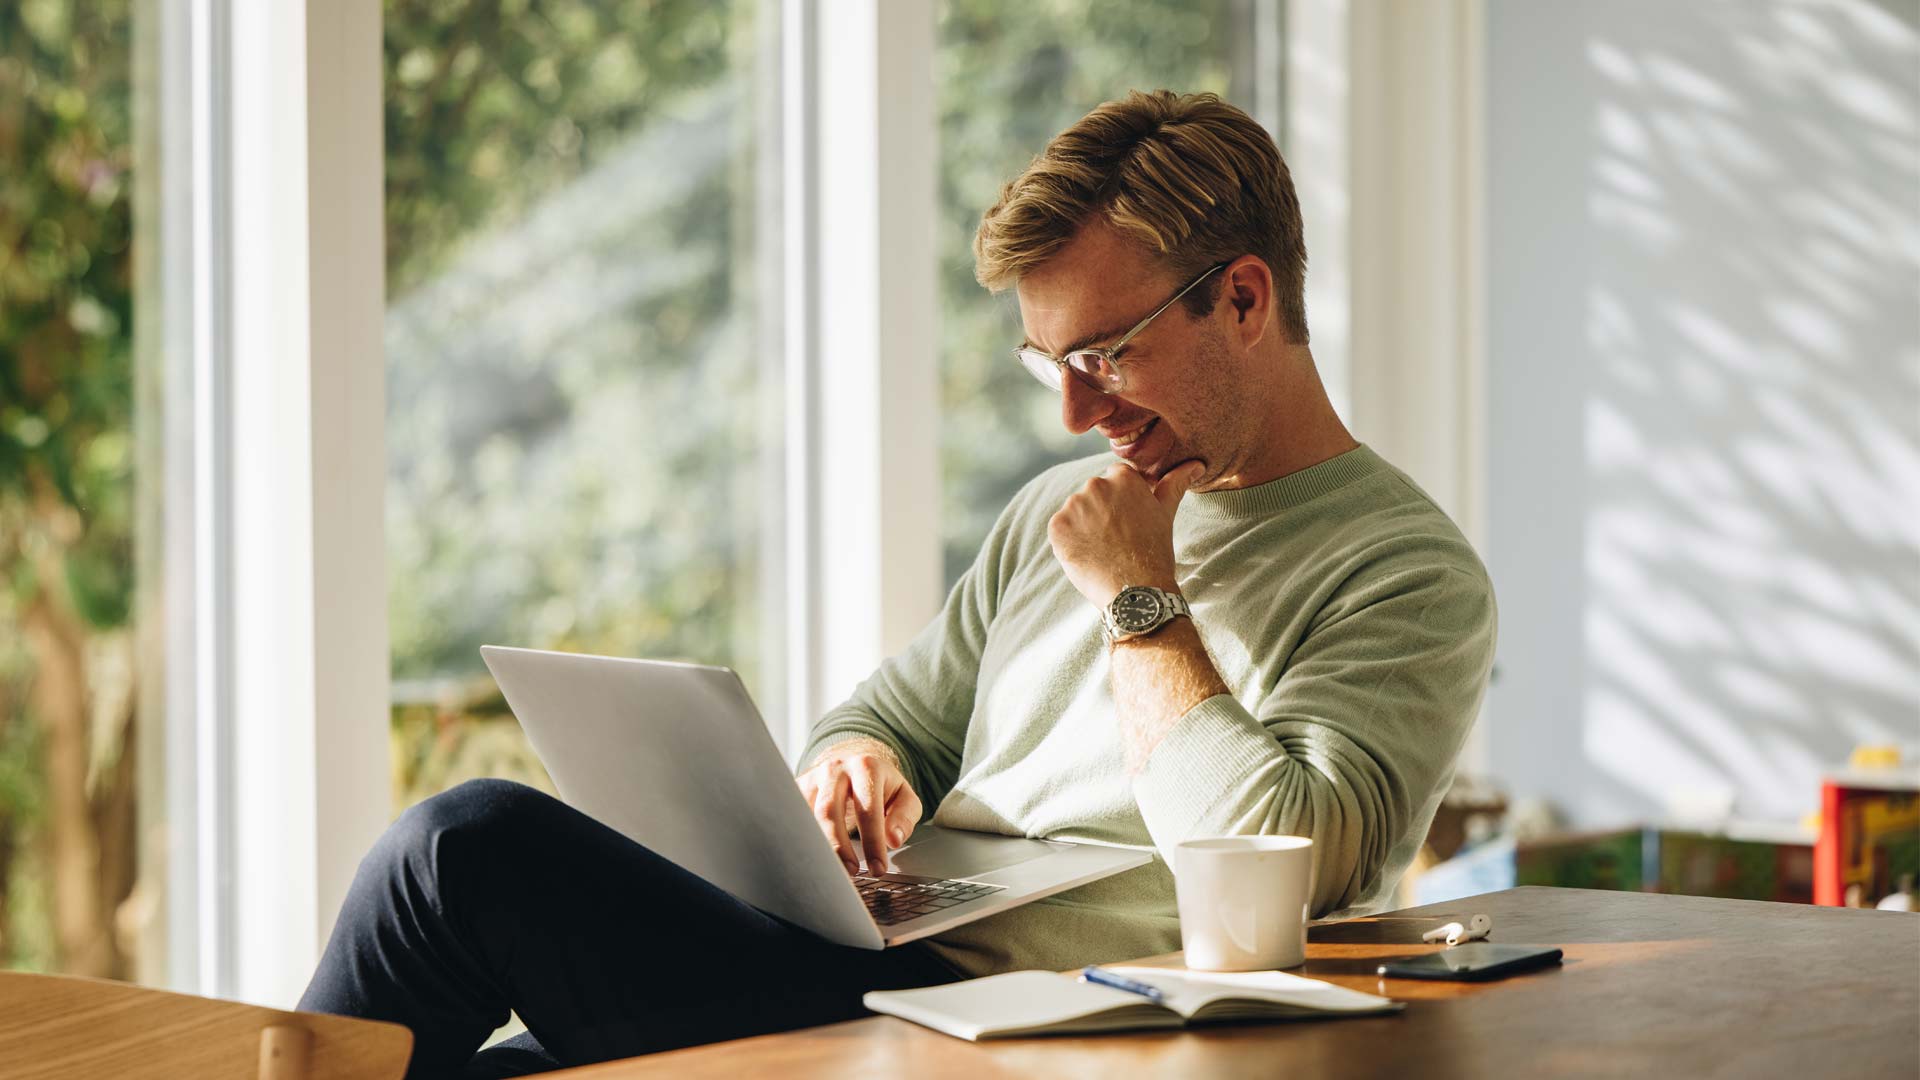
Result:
[{"x": 1099, "y": 368}]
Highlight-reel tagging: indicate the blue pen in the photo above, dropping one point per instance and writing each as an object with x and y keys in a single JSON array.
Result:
[{"x": 1120, "y": 982}]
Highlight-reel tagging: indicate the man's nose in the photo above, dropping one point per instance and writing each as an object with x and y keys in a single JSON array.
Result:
[{"x": 1081, "y": 406}]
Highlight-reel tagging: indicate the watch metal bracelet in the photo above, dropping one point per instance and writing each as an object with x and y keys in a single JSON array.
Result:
[{"x": 1139, "y": 610}]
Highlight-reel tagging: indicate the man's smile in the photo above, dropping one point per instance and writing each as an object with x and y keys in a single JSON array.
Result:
[{"x": 1129, "y": 436}]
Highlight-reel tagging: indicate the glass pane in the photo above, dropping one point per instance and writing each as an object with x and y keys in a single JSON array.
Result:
[
  {"x": 69, "y": 676},
  {"x": 579, "y": 451},
  {"x": 1011, "y": 76}
]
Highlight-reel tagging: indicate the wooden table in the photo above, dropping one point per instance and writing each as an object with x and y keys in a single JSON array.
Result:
[{"x": 1652, "y": 986}]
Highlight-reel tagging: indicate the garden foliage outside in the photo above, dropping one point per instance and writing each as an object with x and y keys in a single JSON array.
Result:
[{"x": 67, "y": 669}]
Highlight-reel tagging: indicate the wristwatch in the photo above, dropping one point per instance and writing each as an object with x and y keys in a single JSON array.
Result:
[{"x": 1139, "y": 610}]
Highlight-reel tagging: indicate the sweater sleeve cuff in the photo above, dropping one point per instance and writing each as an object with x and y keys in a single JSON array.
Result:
[
  {"x": 1193, "y": 778},
  {"x": 831, "y": 732}
]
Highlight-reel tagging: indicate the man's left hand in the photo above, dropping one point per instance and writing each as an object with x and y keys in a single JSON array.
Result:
[{"x": 1117, "y": 530}]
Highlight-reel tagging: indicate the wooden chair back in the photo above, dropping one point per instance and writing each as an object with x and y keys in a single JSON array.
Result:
[{"x": 61, "y": 1027}]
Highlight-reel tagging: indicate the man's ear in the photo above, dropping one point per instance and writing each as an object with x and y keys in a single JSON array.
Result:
[{"x": 1247, "y": 296}]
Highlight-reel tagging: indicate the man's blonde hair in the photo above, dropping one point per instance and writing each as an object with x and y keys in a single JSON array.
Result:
[{"x": 1190, "y": 178}]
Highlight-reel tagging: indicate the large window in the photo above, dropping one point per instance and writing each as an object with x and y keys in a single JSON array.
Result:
[
  {"x": 1010, "y": 76},
  {"x": 581, "y": 455},
  {"x": 70, "y": 680}
]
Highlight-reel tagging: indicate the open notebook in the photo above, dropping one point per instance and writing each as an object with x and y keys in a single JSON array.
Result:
[{"x": 1049, "y": 1003}]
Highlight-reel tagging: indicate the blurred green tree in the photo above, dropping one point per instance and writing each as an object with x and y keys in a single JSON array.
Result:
[
  {"x": 577, "y": 447},
  {"x": 67, "y": 711}
]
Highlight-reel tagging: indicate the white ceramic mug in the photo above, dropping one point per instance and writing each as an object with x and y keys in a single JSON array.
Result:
[{"x": 1243, "y": 901}]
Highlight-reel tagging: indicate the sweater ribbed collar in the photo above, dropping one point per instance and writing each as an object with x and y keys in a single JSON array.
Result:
[{"x": 1279, "y": 496}]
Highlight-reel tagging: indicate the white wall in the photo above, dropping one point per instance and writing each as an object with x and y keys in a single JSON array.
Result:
[{"x": 1704, "y": 391}]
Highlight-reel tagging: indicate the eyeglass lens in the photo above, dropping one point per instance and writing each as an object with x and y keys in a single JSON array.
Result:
[{"x": 1091, "y": 368}]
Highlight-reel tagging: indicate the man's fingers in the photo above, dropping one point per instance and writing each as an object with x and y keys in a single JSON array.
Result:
[
  {"x": 865, "y": 788},
  {"x": 866, "y": 793},
  {"x": 903, "y": 813},
  {"x": 829, "y": 804},
  {"x": 1174, "y": 485}
]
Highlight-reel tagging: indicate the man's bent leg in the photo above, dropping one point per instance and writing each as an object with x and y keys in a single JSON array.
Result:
[{"x": 494, "y": 896}]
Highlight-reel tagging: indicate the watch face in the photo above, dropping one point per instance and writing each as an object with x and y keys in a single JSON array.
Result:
[{"x": 1135, "y": 609}]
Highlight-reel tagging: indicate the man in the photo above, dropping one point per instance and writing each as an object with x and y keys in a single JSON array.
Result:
[{"x": 1338, "y": 638}]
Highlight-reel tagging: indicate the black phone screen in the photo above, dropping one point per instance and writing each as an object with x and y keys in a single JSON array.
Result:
[{"x": 1474, "y": 960}]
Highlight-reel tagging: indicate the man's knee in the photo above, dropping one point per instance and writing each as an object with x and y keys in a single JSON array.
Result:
[{"x": 464, "y": 828}]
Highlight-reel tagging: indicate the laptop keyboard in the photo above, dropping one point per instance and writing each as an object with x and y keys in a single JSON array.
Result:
[{"x": 895, "y": 898}]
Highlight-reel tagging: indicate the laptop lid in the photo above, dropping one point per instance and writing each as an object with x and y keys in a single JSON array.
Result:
[{"x": 676, "y": 757}]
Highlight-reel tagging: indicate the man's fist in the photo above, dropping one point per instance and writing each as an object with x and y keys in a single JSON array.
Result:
[
  {"x": 1117, "y": 530},
  {"x": 857, "y": 785}
]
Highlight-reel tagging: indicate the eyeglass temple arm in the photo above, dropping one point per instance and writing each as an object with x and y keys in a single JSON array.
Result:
[{"x": 1172, "y": 300}]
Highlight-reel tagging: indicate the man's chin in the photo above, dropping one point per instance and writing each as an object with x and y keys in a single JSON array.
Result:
[{"x": 1155, "y": 471}]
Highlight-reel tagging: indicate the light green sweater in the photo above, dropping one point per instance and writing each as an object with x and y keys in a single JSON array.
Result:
[{"x": 1353, "y": 623}]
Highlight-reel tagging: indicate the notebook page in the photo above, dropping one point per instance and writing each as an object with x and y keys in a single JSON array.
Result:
[
  {"x": 1187, "y": 992},
  {"x": 1015, "y": 1001}
]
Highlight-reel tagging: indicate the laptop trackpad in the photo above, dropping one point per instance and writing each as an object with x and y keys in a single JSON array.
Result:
[{"x": 938, "y": 852}]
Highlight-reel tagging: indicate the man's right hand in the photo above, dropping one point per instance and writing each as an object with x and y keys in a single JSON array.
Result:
[{"x": 857, "y": 785}]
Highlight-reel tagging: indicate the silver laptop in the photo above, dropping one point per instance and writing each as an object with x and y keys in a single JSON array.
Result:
[{"x": 676, "y": 757}]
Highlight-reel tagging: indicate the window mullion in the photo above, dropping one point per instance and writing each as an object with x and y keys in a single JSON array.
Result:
[{"x": 867, "y": 538}]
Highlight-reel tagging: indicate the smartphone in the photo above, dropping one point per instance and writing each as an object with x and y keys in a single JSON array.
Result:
[{"x": 1471, "y": 962}]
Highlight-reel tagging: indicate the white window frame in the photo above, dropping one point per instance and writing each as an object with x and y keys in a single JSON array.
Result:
[
  {"x": 277, "y": 675},
  {"x": 863, "y": 507}
]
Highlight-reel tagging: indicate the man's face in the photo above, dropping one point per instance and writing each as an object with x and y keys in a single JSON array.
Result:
[{"x": 1185, "y": 397}]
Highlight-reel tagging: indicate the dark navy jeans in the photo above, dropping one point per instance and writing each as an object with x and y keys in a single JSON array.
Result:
[{"x": 494, "y": 896}]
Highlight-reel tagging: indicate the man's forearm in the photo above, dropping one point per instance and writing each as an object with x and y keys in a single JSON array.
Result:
[{"x": 1156, "y": 680}]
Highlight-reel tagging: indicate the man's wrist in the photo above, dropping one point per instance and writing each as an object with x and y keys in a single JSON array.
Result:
[
  {"x": 1178, "y": 635},
  {"x": 858, "y": 744},
  {"x": 1163, "y": 582}
]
